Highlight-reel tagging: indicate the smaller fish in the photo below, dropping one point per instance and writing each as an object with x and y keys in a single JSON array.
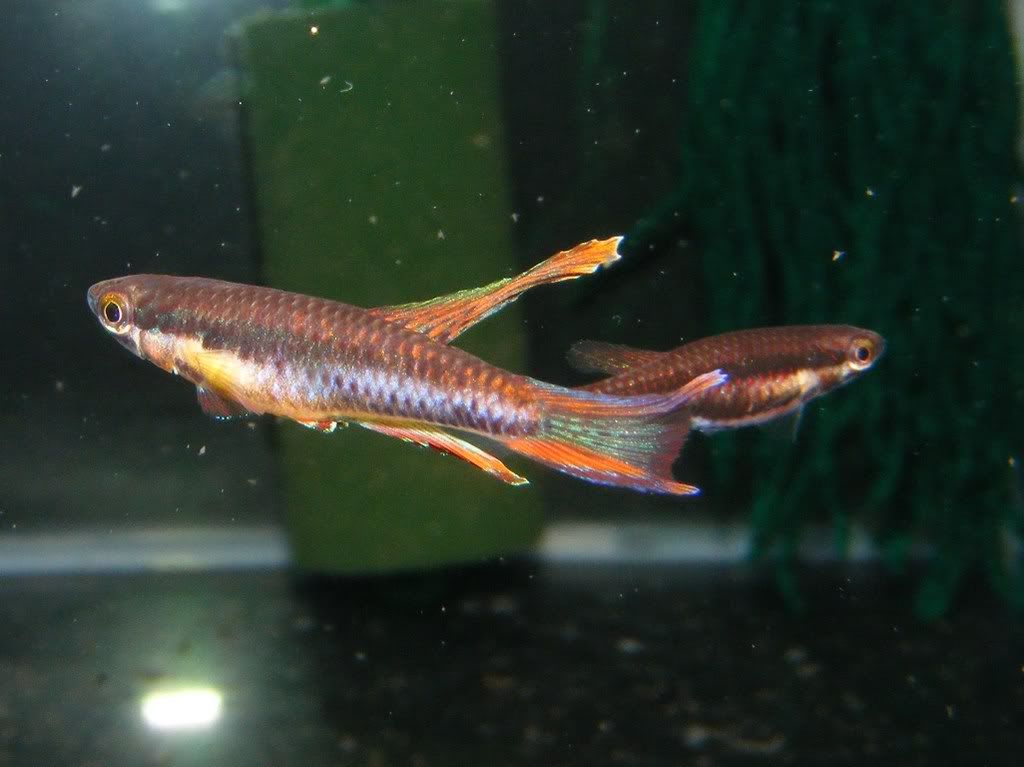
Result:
[{"x": 771, "y": 372}]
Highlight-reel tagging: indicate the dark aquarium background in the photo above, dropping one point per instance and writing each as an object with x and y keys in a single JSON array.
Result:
[{"x": 179, "y": 590}]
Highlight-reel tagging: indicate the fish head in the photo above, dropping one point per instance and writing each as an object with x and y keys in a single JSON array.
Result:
[
  {"x": 124, "y": 307},
  {"x": 847, "y": 352},
  {"x": 863, "y": 350},
  {"x": 113, "y": 304}
]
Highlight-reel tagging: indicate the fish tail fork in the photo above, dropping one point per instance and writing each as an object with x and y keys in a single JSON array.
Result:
[{"x": 628, "y": 442}]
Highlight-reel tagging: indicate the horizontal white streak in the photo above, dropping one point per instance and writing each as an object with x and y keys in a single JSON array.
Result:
[
  {"x": 162, "y": 549},
  {"x": 225, "y": 548}
]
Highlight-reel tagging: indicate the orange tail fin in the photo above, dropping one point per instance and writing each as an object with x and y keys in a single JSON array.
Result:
[{"x": 627, "y": 442}]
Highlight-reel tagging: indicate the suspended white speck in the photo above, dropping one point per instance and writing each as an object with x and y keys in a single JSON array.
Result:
[
  {"x": 202, "y": 450},
  {"x": 838, "y": 254},
  {"x": 515, "y": 218},
  {"x": 440, "y": 234},
  {"x": 629, "y": 646},
  {"x": 869, "y": 192},
  {"x": 373, "y": 220},
  {"x": 75, "y": 190},
  {"x": 325, "y": 81},
  {"x": 314, "y": 30}
]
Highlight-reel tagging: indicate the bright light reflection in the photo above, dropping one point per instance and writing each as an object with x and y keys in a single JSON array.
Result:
[{"x": 185, "y": 709}]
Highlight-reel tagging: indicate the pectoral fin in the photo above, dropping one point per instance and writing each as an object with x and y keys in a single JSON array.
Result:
[
  {"x": 599, "y": 357},
  {"x": 446, "y": 443},
  {"x": 788, "y": 425},
  {"x": 447, "y": 317},
  {"x": 217, "y": 374},
  {"x": 216, "y": 406}
]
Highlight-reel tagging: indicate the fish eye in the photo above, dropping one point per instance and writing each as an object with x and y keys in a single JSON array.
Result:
[
  {"x": 114, "y": 312},
  {"x": 861, "y": 353}
]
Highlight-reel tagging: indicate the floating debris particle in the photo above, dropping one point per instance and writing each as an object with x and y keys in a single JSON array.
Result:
[{"x": 629, "y": 645}]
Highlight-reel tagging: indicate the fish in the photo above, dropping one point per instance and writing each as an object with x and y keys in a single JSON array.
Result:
[
  {"x": 772, "y": 372},
  {"x": 252, "y": 350}
]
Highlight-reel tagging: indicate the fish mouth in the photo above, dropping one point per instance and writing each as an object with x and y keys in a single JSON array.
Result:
[
  {"x": 879, "y": 344},
  {"x": 92, "y": 297}
]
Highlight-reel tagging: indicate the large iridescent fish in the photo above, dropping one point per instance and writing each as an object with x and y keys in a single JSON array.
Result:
[
  {"x": 252, "y": 350},
  {"x": 772, "y": 372}
]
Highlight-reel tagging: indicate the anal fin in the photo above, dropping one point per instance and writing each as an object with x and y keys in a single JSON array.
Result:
[{"x": 446, "y": 443}]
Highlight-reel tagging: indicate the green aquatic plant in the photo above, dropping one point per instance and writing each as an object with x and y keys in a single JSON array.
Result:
[{"x": 855, "y": 163}]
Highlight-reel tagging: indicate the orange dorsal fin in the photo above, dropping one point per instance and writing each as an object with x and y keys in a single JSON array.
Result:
[
  {"x": 447, "y": 317},
  {"x": 599, "y": 357},
  {"x": 446, "y": 443}
]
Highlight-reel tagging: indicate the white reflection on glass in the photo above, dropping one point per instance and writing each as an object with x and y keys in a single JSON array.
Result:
[{"x": 188, "y": 708}]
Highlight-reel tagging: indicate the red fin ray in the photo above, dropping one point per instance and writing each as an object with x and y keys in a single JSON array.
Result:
[
  {"x": 325, "y": 427},
  {"x": 446, "y": 443}
]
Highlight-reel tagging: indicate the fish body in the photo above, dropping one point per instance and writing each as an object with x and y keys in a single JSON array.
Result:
[
  {"x": 771, "y": 372},
  {"x": 314, "y": 360},
  {"x": 255, "y": 350}
]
